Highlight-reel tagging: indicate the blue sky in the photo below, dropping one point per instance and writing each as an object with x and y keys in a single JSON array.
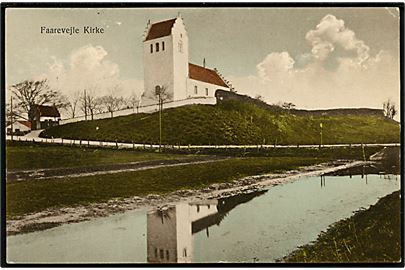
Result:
[{"x": 263, "y": 51}]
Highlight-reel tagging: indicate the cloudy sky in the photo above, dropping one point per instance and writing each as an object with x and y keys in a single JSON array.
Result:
[{"x": 313, "y": 57}]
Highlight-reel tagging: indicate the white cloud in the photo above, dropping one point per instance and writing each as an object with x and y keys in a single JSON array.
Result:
[
  {"x": 88, "y": 68},
  {"x": 331, "y": 32},
  {"x": 338, "y": 72},
  {"x": 274, "y": 65}
]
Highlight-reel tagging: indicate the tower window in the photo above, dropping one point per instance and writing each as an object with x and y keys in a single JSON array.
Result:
[
  {"x": 163, "y": 45},
  {"x": 206, "y": 91},
  {"x": 180, "y": 46},
  {"x": 157, "y": 47},
  {"x": 151, "y": 48},
  {"x": 195, "y": 89}
]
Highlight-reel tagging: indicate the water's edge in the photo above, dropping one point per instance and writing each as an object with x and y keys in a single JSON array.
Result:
[{"x": 56, "y": 217}]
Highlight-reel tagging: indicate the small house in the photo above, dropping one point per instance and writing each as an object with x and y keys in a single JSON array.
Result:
[
  {"x": 44, "y": 117},
  {"x": 19, "y": 127}
]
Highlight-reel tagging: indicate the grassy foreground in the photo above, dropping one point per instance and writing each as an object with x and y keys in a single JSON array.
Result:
[
  {"x": 232, "y": 122},
  {"x": 28, "y": 155},
  {"x": 32, "y": 196},
  {"x": 372, "y": 235}
]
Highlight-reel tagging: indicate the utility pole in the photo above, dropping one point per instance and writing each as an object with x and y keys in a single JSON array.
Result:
[
  {"x": 11, "y": 116},
  {"x": 160, "y": 121},
  {"x": 85, "y": 105},
  {"x": 158, "y": 92},
  {"x": 320, "y": 125}
]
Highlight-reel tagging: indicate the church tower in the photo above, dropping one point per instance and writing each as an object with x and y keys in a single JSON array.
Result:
[{"x": 165, "y": 56}]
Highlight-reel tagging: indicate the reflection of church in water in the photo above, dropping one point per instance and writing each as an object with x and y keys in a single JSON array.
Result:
[{"x": 170, "y": 229}]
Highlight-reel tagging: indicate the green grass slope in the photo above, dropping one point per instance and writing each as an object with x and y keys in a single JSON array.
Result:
[{"x": 232, "y": 122}]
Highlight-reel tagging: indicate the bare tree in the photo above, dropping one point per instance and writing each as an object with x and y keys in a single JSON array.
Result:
[
  {"x": 13, "y": 113},
  {"x": 111, "y": 103},
  {"x": 73, "y": 103},
  {"x": 134, "y": 101},
  {"x": 162, "y": 94},
  {"x": 389, "y": 109},
  {"x": 89, "y": 103},
  {"x": 30, "y": 93}
]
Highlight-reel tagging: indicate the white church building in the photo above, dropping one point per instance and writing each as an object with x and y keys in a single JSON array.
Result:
[{"x": 166, "y": 64}]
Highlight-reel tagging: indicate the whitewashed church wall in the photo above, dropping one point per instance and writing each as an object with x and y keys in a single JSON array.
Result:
[
  {"x": 158, "y": 66},
  {"x": 202, "y": 89},
  {"x": 180, "y": 59}
]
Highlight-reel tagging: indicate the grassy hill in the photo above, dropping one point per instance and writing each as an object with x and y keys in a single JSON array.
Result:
[{"x": 233, "y": 122}]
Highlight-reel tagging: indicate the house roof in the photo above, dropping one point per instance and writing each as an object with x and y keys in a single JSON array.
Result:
[
  {"x": 25, "y": 123},
  {"x": 48, "y": 111},
  {"x": 160, "y": 29},
  {"x": 203, "y": 74}
]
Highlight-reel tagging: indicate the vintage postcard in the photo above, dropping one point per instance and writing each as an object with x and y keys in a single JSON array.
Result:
[{"x": 202, "y": 134}]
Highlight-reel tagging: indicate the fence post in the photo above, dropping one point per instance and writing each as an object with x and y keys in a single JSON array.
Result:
[
  {"x": 88, "y": 143},
  {"x": 116, "y": 144},
  {"x": 133, "y": 145},
  {"x": 364, "y": 153},
  {"x": 62, "y": 141}
]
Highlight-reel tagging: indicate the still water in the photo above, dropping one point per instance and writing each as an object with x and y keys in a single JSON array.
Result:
[{"x": 257, "y": 227}]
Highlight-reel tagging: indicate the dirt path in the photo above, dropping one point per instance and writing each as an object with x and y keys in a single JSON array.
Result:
[
  {"x": 106, "y": 169},
  {"x": 55, "y": 217}
]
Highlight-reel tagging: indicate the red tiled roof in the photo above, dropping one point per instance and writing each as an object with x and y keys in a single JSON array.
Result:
[
  {"x": 160, "y": 29},
  {"x": 25, "y": 123},
  {"x": 205, "y": 75},
  {"x": 49, "y": 111}
]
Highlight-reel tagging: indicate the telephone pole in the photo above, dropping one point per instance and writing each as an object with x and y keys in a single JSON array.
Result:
[
  {"x": 320, "y": 125},
  {"x": 11, "y": 116},
  {"x": 85, "y": 105},
  {"x": 158, "y": 92}
]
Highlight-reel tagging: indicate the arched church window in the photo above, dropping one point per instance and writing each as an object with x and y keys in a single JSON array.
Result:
[
  {"x": 163, "y": 45},
  {"x": 195, "y": 89},
  {"x": 157, "y": 47},
  {"x": 180, "y": 46},
  {"x": 206, "y": 91},
  {"x": 151, "y": 48}
]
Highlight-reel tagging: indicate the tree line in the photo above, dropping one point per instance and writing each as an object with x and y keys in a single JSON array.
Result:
[{"x": 30, "y": 93}]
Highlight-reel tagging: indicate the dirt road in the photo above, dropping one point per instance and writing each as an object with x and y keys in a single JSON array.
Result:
[{"x": 105, "y": 169}]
